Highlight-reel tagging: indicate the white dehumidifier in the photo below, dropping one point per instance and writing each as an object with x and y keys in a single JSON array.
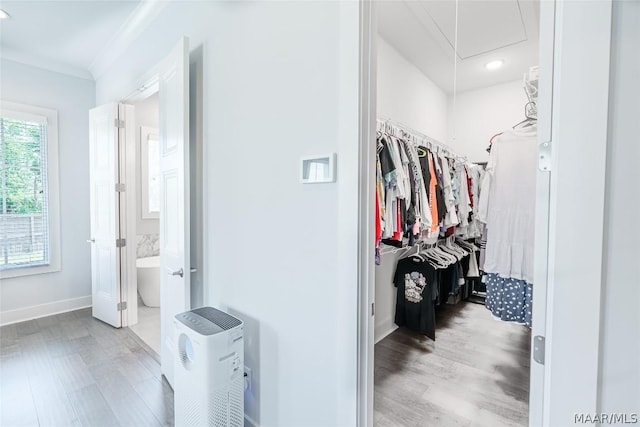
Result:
[{"x": 209, "y": 369}]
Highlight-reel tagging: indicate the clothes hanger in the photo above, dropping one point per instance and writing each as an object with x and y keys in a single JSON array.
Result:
[
  {"x": 450, "y": 251},
  {"x": 530, "y": 119},
  {"x": 446, "y": 258},
  {"x": 456, "y": 251},
  {"x": 436, "y": 259}
]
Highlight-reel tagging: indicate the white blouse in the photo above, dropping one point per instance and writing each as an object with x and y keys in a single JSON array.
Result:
[{"x": 507, "y": 204}]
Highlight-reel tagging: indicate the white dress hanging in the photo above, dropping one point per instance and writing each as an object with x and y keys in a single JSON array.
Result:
[{"x": 507, "y": 204}]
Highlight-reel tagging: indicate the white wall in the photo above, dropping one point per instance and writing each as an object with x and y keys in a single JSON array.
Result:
[
  {"x": 279, "y": 81},
  {"x": 409, "y": 97},
  {"x": 482, "y": 113},
  {"x": 147, "y": 114},
  {"x": 620, "y": 333},
  {"x": 72, "y": 97}
]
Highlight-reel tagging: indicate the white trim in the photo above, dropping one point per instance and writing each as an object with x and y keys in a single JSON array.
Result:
[
  {"x": 541, "y": 241},
  {"x": 147, "y": 86},
  {"x": 25, "y": 58},
  {"x": 128, "y": 214},
  {"x": 53, "y": 190},
  {"x": 42, "y": 310},
  {"x": 23, "y": 116},
  {"x": 138, "y": 21},
  {"x": 251, "y": 421},
  {"x": 576, "y": 225},
  {"x": 380, "y": 335},
  {"x": 366, "y": 225}
]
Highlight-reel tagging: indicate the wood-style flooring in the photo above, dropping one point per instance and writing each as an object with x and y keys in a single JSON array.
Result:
[
  {"x": 73, "y": 370},
  {"x": 476, "y": 373}
]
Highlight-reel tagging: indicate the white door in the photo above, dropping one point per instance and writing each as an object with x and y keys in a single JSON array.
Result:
[
  {"x": 105, "y": 206},
  {"x": 174, "y": 198}
]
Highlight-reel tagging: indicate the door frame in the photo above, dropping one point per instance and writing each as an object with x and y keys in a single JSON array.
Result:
[
  {"x": 150, "y": 83},
  {"x": 367, "y": 105},
  {"x": 128, "y": 215},
  {"x": 567, "y": 382}
]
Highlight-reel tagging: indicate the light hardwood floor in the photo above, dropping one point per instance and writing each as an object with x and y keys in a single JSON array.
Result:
[
  {"x": 73, "y": 370},
  {"x": 476, "y": 373}
]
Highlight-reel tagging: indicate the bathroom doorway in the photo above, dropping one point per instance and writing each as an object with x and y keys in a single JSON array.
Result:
[
  {"x": 180, "y": 145},
  {"x": 146, "y": 208}
]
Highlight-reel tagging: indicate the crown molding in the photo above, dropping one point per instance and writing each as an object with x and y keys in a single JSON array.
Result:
[
  {"x": 44, "y": 63},
  {"x": 139, "y": 20}
]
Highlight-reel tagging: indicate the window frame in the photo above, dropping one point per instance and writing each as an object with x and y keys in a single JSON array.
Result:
[{"x": 53, "y": 188}]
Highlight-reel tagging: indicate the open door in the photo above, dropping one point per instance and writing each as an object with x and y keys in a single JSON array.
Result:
[
  {"x": 174, "y": 198},
  {"x": 105, "y": 218}
]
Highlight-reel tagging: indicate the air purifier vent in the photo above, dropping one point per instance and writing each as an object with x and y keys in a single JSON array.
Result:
[
  {"x": 236, "y": 402},
  {"x": 219, "y": 409},
  {"x": 219, "y": 318}
]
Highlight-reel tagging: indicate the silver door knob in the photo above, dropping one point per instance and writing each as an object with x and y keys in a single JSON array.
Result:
[
  {"x": 91, "y": 240},
  {"x": 178, "y": 273}
]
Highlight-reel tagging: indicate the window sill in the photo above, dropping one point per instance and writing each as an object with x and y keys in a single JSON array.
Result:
[{"x": 10, "y": 273}]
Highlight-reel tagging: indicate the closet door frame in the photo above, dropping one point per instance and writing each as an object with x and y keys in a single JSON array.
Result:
[
  {"x": 579, "y": 131},
  {"x": 567, "y": 382},
  {"x": 366, "y": 224}
]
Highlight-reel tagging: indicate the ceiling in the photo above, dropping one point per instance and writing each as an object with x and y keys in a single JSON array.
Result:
[
  {"x": 77, "y": 37},
  {"x": 66, "y": 36},
  {"x": 424, "y": 32}
]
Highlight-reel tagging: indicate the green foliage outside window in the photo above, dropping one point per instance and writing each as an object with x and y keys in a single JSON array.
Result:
[{"x": 21, "y": 166}]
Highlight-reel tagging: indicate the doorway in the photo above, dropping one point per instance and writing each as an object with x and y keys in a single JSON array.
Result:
[
  {"x": 146, "y": 281},
  {"x": 442, "y": 83},
  {"x": 114, "y": 287}
]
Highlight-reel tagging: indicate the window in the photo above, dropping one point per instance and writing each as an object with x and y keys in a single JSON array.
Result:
[
  {"x": 150, "y": 172},
  {"x": 29, "y": 224}
]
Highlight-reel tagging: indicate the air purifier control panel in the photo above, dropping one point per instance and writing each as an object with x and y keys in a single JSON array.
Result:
[{"x": 236, "y": 364}]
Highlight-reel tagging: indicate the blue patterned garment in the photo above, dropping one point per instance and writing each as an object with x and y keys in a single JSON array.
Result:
[{"x": 509, "y": 299}]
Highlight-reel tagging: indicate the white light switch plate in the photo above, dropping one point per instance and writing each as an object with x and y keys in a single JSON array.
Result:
[{"x": 318, "y": 169}]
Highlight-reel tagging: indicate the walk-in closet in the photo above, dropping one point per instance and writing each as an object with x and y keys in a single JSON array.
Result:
[{"x": 455, "y": 211}]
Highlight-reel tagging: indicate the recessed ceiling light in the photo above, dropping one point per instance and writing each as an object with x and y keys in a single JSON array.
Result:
[
  {"x": 3, "y": 14},
  {"x": 494, "y": 65}
]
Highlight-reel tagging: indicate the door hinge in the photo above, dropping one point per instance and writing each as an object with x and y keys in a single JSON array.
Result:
[
  {"x": 121, "y": 243},
  {"x": 119, "y": 123},
  {"x": 122, "y": 306},
  {"x": 120, "y": 188},
  {"x": 373, "y": 308},
  {"x": 544, "y": 156},
  {"x": 538, "y": 349}
]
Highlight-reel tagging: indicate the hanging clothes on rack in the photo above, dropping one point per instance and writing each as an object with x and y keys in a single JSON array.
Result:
[
  {"x": 416, "y": 281},
  {"x": 432, "y": 277},
  {"x": 507, "y": 207},
  {"x": 423, "y": 190}
]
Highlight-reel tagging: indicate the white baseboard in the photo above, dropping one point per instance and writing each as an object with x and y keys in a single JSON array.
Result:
[
  {"x": 42, "y": 310},
  {"x": 250, "y": 421},
  {"x": 382, "y": 331}
]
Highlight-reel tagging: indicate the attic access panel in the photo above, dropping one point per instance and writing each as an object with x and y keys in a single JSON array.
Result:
[{"x": 483, "y": 26}]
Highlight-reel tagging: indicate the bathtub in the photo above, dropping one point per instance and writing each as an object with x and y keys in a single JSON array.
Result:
[{"x": 148, "y": 272}]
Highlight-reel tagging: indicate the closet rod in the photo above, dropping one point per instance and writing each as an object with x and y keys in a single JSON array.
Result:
[{"x": 418, "y": 135}]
